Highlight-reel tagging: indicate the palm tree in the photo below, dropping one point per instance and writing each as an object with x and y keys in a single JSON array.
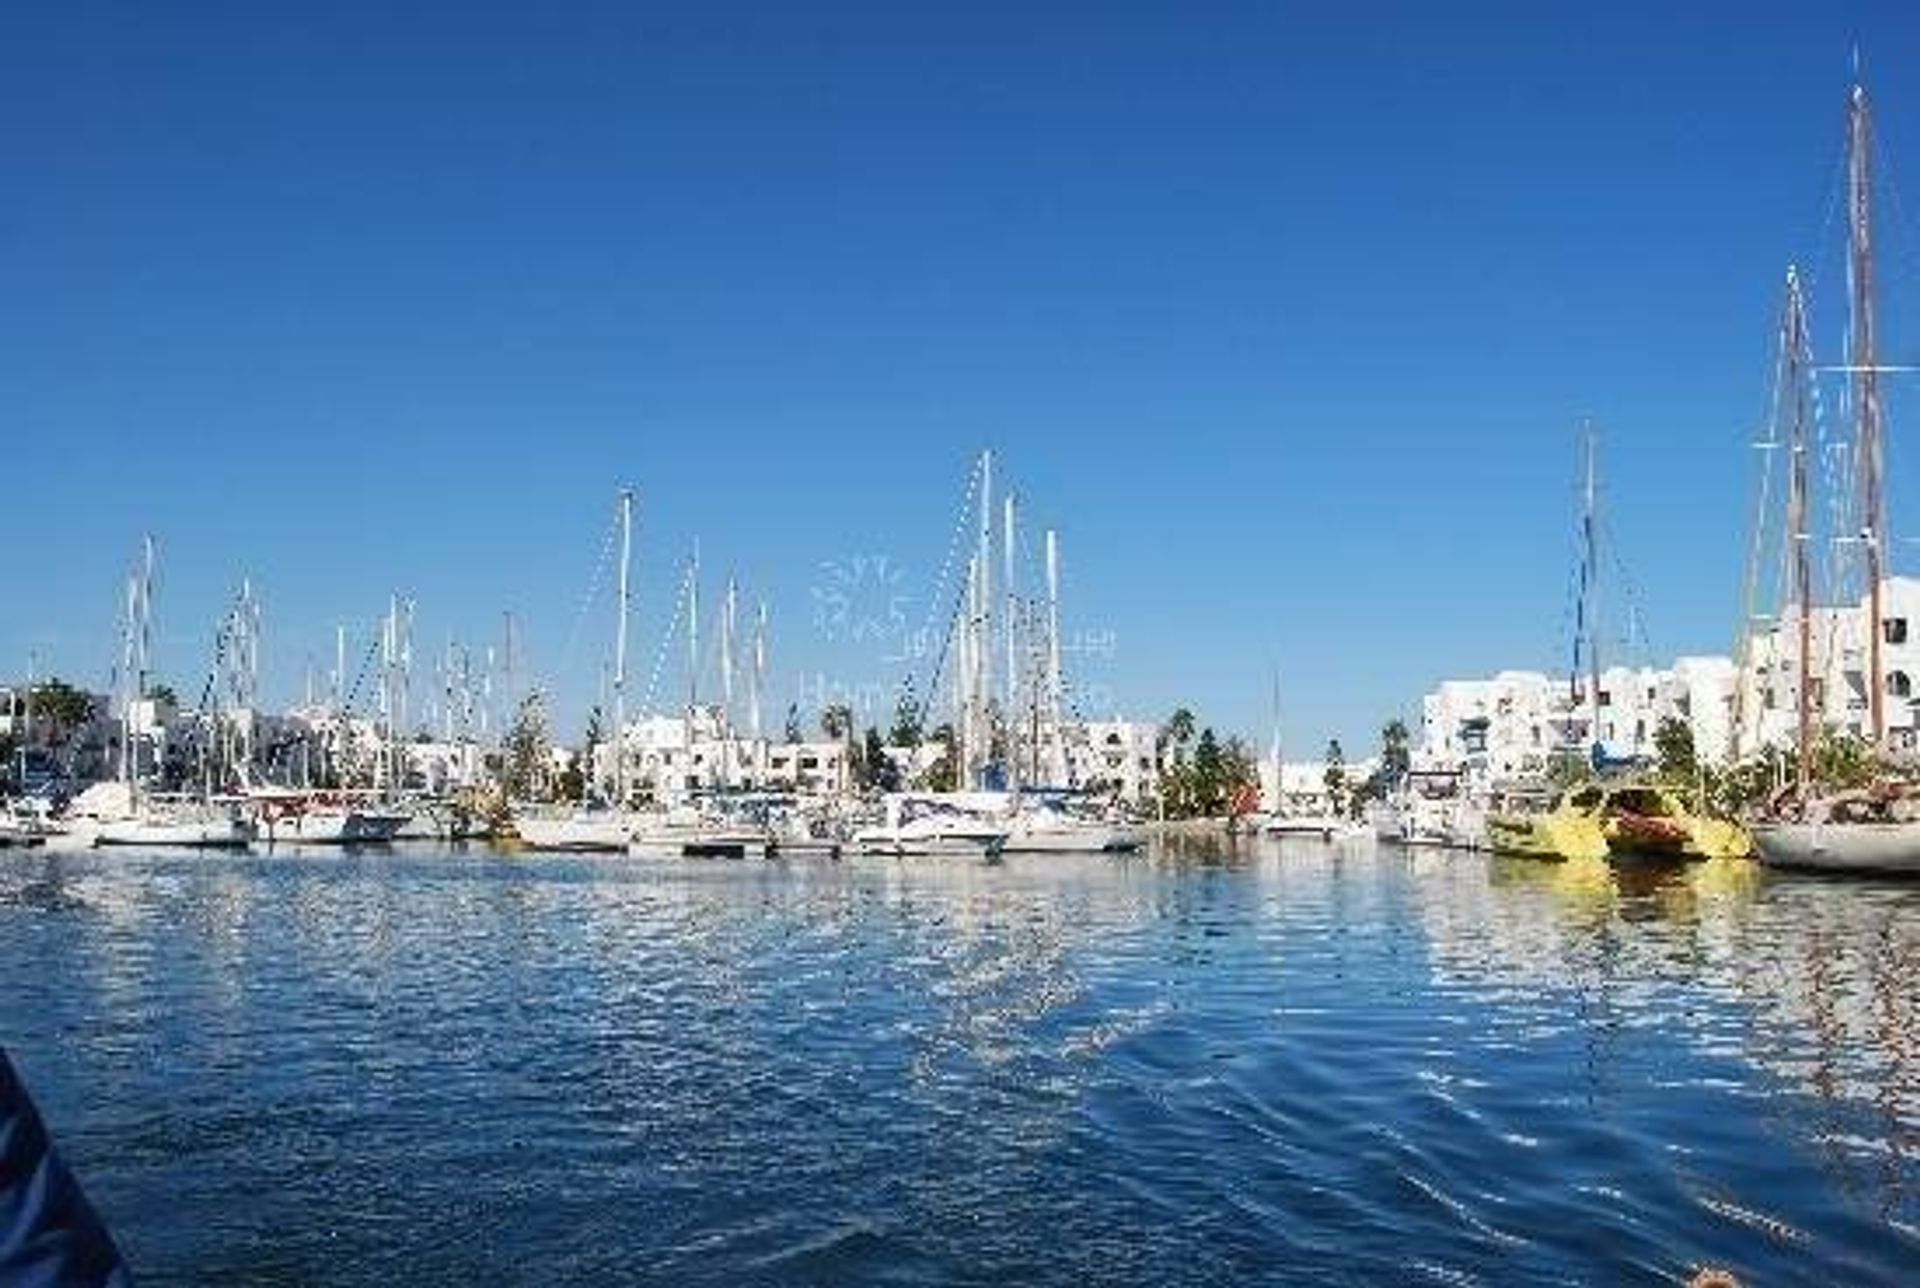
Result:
[{"x": 836, "y": 721}]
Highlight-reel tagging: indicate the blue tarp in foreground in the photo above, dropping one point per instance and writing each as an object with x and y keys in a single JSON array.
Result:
[{"x": 49, "y": 1234}]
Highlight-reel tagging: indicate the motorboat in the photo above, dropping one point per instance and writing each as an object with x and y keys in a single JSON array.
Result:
[
  {"x": 923, "y": 825},
  {"x": 1048, "y": 824}
]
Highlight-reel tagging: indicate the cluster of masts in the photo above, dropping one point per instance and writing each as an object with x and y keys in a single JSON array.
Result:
[
  {"x": 1005, "y": 681},
  {"x": 1013, "y": 734},
  {"x": 1859, "y": 506}
]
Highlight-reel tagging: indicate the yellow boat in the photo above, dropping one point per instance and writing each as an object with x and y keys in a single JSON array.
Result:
[{"x": 1616, "y": 821}]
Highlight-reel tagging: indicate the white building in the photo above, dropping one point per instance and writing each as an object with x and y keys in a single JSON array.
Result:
[
  {"x": 1118, "y": 755},
  {"x": 1300, "y": 787},
  {"x": 1512, "y": 723},
  {"x": 672, "y": 757},
  {"x": 1838, "y": 637}
]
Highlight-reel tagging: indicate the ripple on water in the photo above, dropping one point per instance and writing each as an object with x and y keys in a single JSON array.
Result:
[{"x": 1286, "y": 1063}]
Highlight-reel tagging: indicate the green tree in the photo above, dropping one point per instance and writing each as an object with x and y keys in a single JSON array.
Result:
[
  {"x": 1674, "y": 756},
  {"x": 1395, "y": 756},
  {"x": 1240, "y": 772},
  {"x": 944, "y": 774},
  {"x": 1335, "y": 777},
  {"x": 908, "y": 723},
  {"x": 1209, "y": 779},
  {"x": 527, "y": 746},
  {"x": 163, "y": 694},
  {"x": 877, "y": 770},
  {"x": 1179, "y": 727},
  {"x": 836, "y": 721},
  {"x": 59, "y": 710}
]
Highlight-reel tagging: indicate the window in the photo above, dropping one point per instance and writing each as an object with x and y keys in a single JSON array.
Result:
[
  {"x": 1899, "y": 684},
  {"x": 1606, "y": 698},
  {"x": 1895, "y": 630}
]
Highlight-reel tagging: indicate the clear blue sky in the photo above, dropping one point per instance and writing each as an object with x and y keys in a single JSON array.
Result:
[{"x": 1283, "y": 314}]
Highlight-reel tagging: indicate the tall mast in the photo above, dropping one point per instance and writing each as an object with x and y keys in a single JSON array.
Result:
[
  {"x": 1009, "y": 686},
  {"x": 966, "y": 675},
  {"x": 758, "y": 675},
  {"x": 389, "y": 652},
  {"x": 339, "y": 749},
  {"x": 128, "y": 686},
  {"x": 1862, "y": 362},
  {"x": 983, "y": 599},
  {"x": 1794, "y": 339},
  {"x": 728, "y": 608},
  {"x": 620, "y": 653},
  {"x": 1053, "y": 658},
  {"x": 1587, "y": 610}
]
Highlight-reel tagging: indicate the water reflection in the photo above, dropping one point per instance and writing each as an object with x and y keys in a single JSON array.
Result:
[{"x": 1189, "y": 1065}]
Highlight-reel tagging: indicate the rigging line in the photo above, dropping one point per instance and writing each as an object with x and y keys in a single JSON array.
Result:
[
  {"x": 946, "y": 643},
  {"x": 1756, "y": 556},
  {"x": 666, "y": 642},
  {"x": 592, "y": 596},
  {"x": 961, "y": 530}
]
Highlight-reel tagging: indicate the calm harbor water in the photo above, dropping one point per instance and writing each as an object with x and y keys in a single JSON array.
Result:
[{"x": 1282, "y": 1063}]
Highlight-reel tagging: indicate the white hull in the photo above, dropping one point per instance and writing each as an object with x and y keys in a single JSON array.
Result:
[
  {"x": 576, "y": 832},
  {"x": 1840, "y": 847},
  {"x": 337, "y": 827},
  {"x": 704, "y": 842},
  {"x": 907, "y": 846},
  {"x": 1072, "y": 838},
  {"x": 213, "y": 833},
  {"x": 1324, "y": 828}
]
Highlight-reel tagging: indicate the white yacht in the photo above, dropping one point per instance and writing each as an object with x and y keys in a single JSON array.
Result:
[
  {"x": 580, "y": 830},
  {"x": 1046, "y": 826},
  {"x": 926, "y": 825},
  {"x": 1430, "y": 807}
]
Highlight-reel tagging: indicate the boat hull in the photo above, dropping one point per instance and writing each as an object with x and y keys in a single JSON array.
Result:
[
  {"x": 1073, "y": 840},
  {"x": 210, "y": 834},
  {"x": 338, "y": 827},
  {"x": 1876, "y": 848},
  {"x": 575, "y": 834},
  {"x": 898, "y": 846}
]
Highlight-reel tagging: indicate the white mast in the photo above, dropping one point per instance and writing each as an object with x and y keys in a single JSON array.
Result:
[
  {"x": 983, "y": 599},
  {"x": 128, "y": 687},
  {"x": 388, "y": 648},
  {"x": 727, "y": 610},
  {"x": 759, "y": 670},
  {"x": 964, "y": 677},
  {"x": 693, "y": 645},
  {"x": 1009, "y": 705},
  {"x": 339, "y": 703},
  {"x": 1059, "y": 773},
  {"x": 620, "y": 654}
]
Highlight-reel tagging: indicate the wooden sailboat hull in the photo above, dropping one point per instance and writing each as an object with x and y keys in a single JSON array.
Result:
[{"x": 1867, "y": 848}]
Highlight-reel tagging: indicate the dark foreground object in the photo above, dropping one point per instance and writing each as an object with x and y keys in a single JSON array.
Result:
[{"x": 49, "y": 1234}]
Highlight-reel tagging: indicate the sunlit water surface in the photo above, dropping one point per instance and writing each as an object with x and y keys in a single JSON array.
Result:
[{"x": 1282, "y": 1063}]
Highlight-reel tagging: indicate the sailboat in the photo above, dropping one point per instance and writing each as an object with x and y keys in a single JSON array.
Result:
[
  {"x": 1284, "y": 820},
  {"x": 124, "y": 812},
  {"x": 1605, "y": 819},
  {"x": 1877, "y": 828},
  {"x": 605, "y": 828}
]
